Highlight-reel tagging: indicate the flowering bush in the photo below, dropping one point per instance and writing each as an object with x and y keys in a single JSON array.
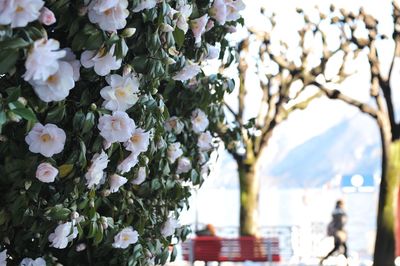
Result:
[{"x": 106, "y": 120}]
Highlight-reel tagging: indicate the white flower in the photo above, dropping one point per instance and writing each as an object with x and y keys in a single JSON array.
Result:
[
  {"x": 141, "y": 176},
  {"x": 121, "y": 94},
  {"x": 213, "y": 51},
  {"x": 118, "y": 127},
  {"x": 187, "y": 72},
  {"x": 46, "y": 140},
  {"x": 127, "y": 164},
  {"x": 95, "y": 172},
  {"x": 219, "y": 11},
  {"x": 46, "y": 173},
  {"x": 183, "y": 15},
  {"x": 31, "y": 262},
  {"x": 168, "y": 228},
  {"x": 116, "y": 181},
  {"x": 205, "y": 141},
  {"x": 174, "y": 151},
  {"x": 75, "y": 64},
  {"x": 184, "y": 165},
  {"x": 126, "y": 237},
  {"x": 47, "y": 16},
  {"x": 3, "y": 258},
  {"x": 145, "y": 4},
  {"x": 102, "y": 61},
  {"x": 57, "y": 86},
  {"x": 19, "y": 13},
  {"x": 198, "y": 27},
  {"x": 63, "y": 234},
  {"x": 138, "y": 142},
  {"x": 173, "y": 124},
  {"x": 110, "y": 15},
  {"x": 233, "y": 8},
  {"x": 42, "y": 60},
  {"x": 199, "y": 121}
]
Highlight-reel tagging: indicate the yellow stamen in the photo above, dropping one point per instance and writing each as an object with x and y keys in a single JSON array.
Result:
[
  {"x": 135, "y": 138},
  {"x": 19, "y": 9},
  {"x": 120, "y": 92},
  {"x": 45, "y": 137},
  {"x": 52, "y": 79}
]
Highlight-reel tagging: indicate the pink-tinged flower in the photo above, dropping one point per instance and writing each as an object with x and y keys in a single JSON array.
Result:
[
  {"x": 122, "y": 93},
  {"x": 126, "y": 237},
  {"x": 117, "y": 127},
  {"x": 219, "y": 11},
  {"x": 116, "y": 181},
  {"x": 46, "y": 172},
  {"x": 95, "y": 173},
  {"x": 144, "y": 4},
  {"x": 210, "y": 25},
  {"x": 198, "y": 27},
  {"x": 187, "y": 72},
  {"x": 138, "y": 142},
  {"x": 174, "y": 151},
  {"x": 182, "y": 17},
  {"x": 141, "y": 176},
  {"x": 46, "y": 140},
  {"x": 110, "y": 15},
  {"x": 127, "y": 164},
  {"x": 204, "y": 141},
  {"x": 42, "y": 60},
  {"x": 63, "y": 234},
  {"x": 184, "y": 165},
  {"x": 233, "y": 8},
  {"x": 19, "y": 13},
  {"x": 102, "y": 61},
  {"x": 168, "y": 228},
  {"x": 199, "y": 121},
  {"x": 173, "y": 124},
  {"x": 47, "y": 16},
  {"x": 57, "y": 86}
]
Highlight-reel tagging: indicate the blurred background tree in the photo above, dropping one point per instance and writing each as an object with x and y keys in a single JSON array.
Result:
[{"x": 328, "y": 50}]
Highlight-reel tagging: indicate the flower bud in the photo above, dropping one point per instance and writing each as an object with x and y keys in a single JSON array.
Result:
[
  {"x": 166, "y": 28},
  {"x": 47, "y": 16},
  {"x": 128, "y": 32},
  {"x": 80, "y": 247}
]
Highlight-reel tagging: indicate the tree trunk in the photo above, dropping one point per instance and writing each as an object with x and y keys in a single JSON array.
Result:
[
  {"x": 249, "y": 189},
  {"x": 384, "y": 253}
]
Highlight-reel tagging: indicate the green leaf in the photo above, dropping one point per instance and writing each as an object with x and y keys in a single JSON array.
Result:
[
  {"x": 99, "y": 235},
  {"x": 56, "y": 115},
  {"x": 25, "y": 113},
  {"x": 13, "y": 44},
  {"x": 179, "y": 36},
  {"x": 89, "y": 122},
  {"x": 59, "y": 213},
  {"x": 139, "y": 63},
  {"x": 13, "y": 93},
  {"x": 94, "y": 41},
  {"x": 93, "y": 229},
  {"x": 65, "y": 169},
  {"x": 8, "y": 58}
]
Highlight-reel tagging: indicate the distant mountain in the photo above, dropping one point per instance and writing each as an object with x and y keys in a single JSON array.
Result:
[{"x": 350, "y": 147}]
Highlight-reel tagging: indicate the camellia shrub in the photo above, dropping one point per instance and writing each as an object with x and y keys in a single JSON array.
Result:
[{"x": 106, "y": 122}]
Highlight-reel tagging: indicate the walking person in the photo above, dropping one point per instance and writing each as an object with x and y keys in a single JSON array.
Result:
[{"x": 336, "y": 229}]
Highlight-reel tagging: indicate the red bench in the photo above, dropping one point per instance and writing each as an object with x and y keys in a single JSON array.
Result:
[{"x": 209, "y": 248}]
